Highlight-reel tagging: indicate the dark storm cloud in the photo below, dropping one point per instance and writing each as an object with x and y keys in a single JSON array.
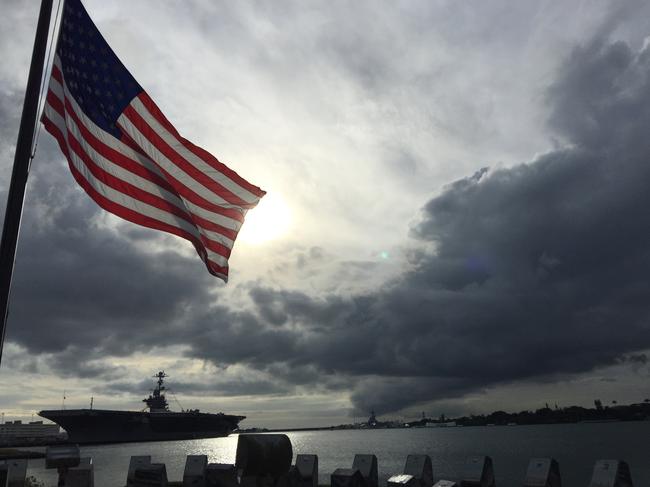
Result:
[
  {"x": 236, "y": 386},
  {"x": 540, "y": 269},
  {"x": 530, "y": 272},
  {"x": 637, "y": 362},
  {"x": 80, "y": 363},
  {"x": 636, "y": 358},
  {"x": 535, "y": 271}
]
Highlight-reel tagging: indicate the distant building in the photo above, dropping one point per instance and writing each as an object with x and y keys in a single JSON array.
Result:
[
  {"x": 435, "y": 424},
  {"x": 33, "y": 430},
  {"x": 372, "y": 420}
]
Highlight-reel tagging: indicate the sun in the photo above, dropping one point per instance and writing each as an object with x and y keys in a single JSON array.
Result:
[{"x": 269, "y": 220}]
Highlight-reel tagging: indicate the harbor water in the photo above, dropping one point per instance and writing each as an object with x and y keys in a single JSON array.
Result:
[{"x": 575, "y": 446}]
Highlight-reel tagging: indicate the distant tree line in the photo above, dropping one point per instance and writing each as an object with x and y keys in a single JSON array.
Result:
[{"x": 547, "y": 415}]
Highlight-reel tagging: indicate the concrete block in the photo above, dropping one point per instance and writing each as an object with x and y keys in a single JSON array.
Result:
[
  {"x": 259, "y": 455},
  {"x": 291, "y": 479},
  {"x": 221, "y": 475},
  {"x": 403, "y": 480},
  {"x": 478, "y": 472},
  {"x": 4, "y": 471},
  {"x": 135, "y": 462},
  {"x": 62, "y": 456},
  {"x": 81, "y": 476},
  {"x": 611, "y": 473},
  {"x": 367, "y": 466},
  {"x": 307, "y": 470},
  {"x": 153, "y": 475},
  {"x": 420, "y": 467},
  {"x": 265, "y": 481},
  {"x": 194, "y": 473},
  {"x": 543, "y": 472},
  {"x": 445, "y": 483},
  {"x": 347, "y": 477},
  {"x": 16, "y": 473}
]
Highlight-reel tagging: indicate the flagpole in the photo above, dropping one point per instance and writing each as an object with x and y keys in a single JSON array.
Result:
[{"x": 20, "y": 170}]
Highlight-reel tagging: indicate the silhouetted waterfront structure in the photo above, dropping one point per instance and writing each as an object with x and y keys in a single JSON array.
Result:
[
  {"x": 265, "y": 461},
  {"x": 372, "y": 420},
  {"x": 546, "y": 415}
]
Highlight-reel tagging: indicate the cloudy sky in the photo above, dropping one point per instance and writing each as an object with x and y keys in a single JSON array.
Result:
[{"x": 457, "y": 218}]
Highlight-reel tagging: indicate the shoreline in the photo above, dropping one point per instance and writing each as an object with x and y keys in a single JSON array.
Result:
[{"x": 23, "y": 446}]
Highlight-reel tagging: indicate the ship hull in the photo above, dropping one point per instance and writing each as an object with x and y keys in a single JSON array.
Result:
[{"x": 86, "y": 426}]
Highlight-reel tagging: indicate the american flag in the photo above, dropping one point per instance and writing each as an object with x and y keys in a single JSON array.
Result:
[{"x": 129, "y": 158}]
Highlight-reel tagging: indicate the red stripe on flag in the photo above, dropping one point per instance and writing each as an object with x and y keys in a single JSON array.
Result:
[
  {"x": 198, "y": 151},
  {"x": 56, "y": 74},
  {"x": 175, "y": 158},
  {"x": 123, "y": 186},
  {"x": 116, "y": 156},
  {"x": 190, "y": 195},
  {"x": 143, "y": 196},
  {"x": 215, "y": 227},
  {"x": 55, "y": 102}
]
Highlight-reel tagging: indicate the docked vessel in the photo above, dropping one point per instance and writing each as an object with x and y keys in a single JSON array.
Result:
[{"x": 158, "y": 424}]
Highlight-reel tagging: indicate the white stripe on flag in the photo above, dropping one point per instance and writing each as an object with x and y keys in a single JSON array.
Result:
[
  {"x": 189, "y": 156},
  {"x": 169, "y": 166}
]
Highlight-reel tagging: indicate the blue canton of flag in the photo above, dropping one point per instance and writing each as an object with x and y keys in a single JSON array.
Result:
[
  {"x": 129, "y": 158},
  {"x": 96, "y": 78}
]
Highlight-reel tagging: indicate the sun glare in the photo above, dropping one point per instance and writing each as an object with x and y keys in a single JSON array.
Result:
[{"x": 268, "y": 221}]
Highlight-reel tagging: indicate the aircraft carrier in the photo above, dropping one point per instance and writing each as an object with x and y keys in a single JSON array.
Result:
[{"x": 86, "y": 426}]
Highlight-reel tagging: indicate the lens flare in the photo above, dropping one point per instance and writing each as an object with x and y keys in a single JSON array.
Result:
[{"x": 268, "y": 221}]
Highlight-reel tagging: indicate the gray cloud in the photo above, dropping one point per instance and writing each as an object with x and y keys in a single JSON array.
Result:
[{"x": 235, "y": 386}]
